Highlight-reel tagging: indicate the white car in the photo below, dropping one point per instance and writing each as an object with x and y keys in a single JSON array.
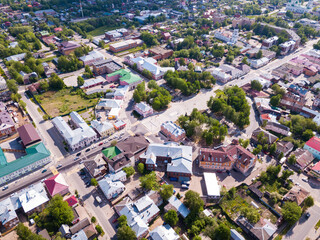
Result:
[
  {"x": 98, "y": 199},
  {"x": 305, "y": 179}
]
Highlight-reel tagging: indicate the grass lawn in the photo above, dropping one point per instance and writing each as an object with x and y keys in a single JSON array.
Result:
[
  {"x": 132, "y": 50},
  {"x": 49, "y": 59},
  {"x": 101, "y": 30},
  {"x": 63, "y": 102}
]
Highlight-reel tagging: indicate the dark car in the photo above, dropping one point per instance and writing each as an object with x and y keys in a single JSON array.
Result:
[
  {"x": 78, "y": 154},
  {"x": 228, "y": 172},
  {"x": 307, "y": 215},
  {"x": 44, "y": 170},
  {"x": 88, "y": 150}
]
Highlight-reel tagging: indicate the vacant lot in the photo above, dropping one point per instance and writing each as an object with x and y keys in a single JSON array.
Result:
[{"x": 63, "y": 102}]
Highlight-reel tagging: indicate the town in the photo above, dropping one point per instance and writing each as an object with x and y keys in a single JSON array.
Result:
[{"x": 159, "y": 120}]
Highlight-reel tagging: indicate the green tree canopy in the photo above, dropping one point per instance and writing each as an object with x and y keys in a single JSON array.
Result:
[
  {"x": 256, "y": 85},
  {"x": 171, "y": 217},
  {"x": 166, "y": 191},
  {"x": 125, "y": 233},
  {"x": 140, "y": 168},
  {"x": 149, "y": 181},
  {"x": 129, "y": 171},
  {"x": 291, "y": 212}
]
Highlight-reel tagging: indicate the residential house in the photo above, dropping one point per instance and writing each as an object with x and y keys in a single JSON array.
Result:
[
  {"x": 303, "y": 158},
  {"x": 160, "y": 53},
  {"x": 81, "y": 235},
  {"x": 105, "y": 66},
  {"x": 3, "y": 83},
  {"x": 313, "y": 146},
  {"x": 149, "y": 64},
  {"x": 125, "y": 78},
  {"x": 143, "y": 109},
  {"x": 125, "y": 45},
  {"x": 7, "y": 126},
  {"x": 139, "y": 214},
  {"x": 172, "y": 131},
  {"x": 96, "y": 167},
  {"x": 220, "y": 75},
  {"x": 257, "y": 63},
  {"x": 166, "y": 36},
  {"x": 227, "y": 36},
  {"x": 175, "y": 204},
  {"x": 111, "y": 185},
  {"x": 269, "y": 137},
  {"x": 293, "y": 102},
  {"x": 68, "y": 47},
  {"x": 235, "y": 235},
  {"x": 284, "y": 147},
  {"x": 125, "y": 153},
  {"x": 92, "y": 58},
  {"x": 28, "y": 135},
  {"x": 262, "y": 230},
  {"x": 31, "y": 199},
  {"x": 278, "y": 128},
  {"x": 233, "y": 71},
  {"x": 56, "y": 185},
  {"x": 77, "y": 138},
  {"x": 8, "y": 216},
  {"x": 226, "y": 158},
  {"x": 242, "y": 22},
  {"x": 103, "y": 129},
  {"x": 287, "y": 47},
  {"x": 36, "y": 156},
  {"x": 72, "y": 201},
  {"x": 17, "y": 57},
  {"x": 298, "y": 90},
  {"x": 119, "y": 124},
  {"x": 269, "y": 42},
  {"x": 177, "y": 160},
  {"x": 164, "y": 232},
  {"x": 296, "y": 194},
  {"x": 315, "y": 171}
]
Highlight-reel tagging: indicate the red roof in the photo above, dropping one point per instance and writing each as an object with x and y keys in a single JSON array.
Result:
[
  {"x": 57, "y": 29},
  {"x": 28, "y": 134},
  {"x": 265, "y": 117},
  {"x": 56, "y": 185},
  {"x": 316, "y": 167},
  {"x": 314, "y": 143},
  {"x": 72, "y": 201}
]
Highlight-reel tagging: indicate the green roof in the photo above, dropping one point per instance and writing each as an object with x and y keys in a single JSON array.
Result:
[
  {"x": 35, "y": 153},
  {"x": 126, "y": 76},
  {"x": 111, "y": 152},
  {"x": 3, "y": 159}
]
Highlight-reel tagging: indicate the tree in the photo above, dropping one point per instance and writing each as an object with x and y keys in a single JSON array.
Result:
[
  {"x": 182, "y": 62},
  {"x": 275, "y": 100},
  {"x": 114, "y": 142},
  {"x": 99, "y": 230},
  {"x": 122, "y": 220},
  {"x": 222, "y": 232},
  {"x": 308, "y": 202},
  {"x": 307, "y": 134},
  {"x": 289, "y": 14},
  {"x": 257, "y": 150},
  {"x": 259, "y": 54},
  {"x": 58, "y": 212},
  {"x": 149, "y": 181},
  {"x": 22, "y": 105},
  {"x": 80, "y": 81},
  {"x": 245, "y": 60},
  {"x": 194, "y": 202},
  {"x": 291, "y": 212},
  {"x": 129, "y": 171},
  {"x": 273, "y": 148},
  {"x": 56, "y": 83},
  {"x": 256, "y": 85},
  {"x": 281, "y": 155},
  {"x": 44, "y": 85},
  {"x": 140, "y": 168},
  {"x": 166, "y": 191},
  {"x": 93, "y": 219},
  {"x": 15, "y": 97},
  {"x": 125, "y": 233},
  {"x": 94, "y": 182},
  {"x": 292, "y": 159},
  {"x": 249, "y": 35},
  {"x": 12, "y": 86},
  {"x": 171, "y": 217},
  {"x": 25, "y": 233}
]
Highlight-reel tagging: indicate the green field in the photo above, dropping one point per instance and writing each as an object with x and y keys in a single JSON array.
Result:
[
  {"x": 100, "y": 30},
  {"x": 63, "y": 102}
]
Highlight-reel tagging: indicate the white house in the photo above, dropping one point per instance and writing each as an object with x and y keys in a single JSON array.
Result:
[
  {"x": 220, "y": 75},
  {"x": 144, "y": 109},
  {"x": 164, "y": 232},
  {"x": 91, "y": 58},
  {"x": 149, "y": 64},
  {"x": 111, "y": 186},
  {"x": 77, "y": 138},
  {"x": 3, "y": 83},
  {"x": 227, "y": 36},
  {"x": 257, "y": 63}
]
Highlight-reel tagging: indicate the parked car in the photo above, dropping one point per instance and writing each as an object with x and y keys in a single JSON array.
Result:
[
  {"x": 78, "y": 154},
  {"x": 305, "y": 179},
  {"x": 184, "y": 186},
  {"x": 76, "y": 158},
  {"x": 98, "y": 199},
  {"x": 5, "y": 188},
  {"x": 186, "y": 183},
  {"x": 87, "y": 150},
  {"x": 100, "y": 143},
  {"x": 44, "y": 170},
  {"x": 307, "y": 215},
  {"x": 228, "y": 172},
  {"x": 115, "y": 220},
  {"x": 59, "y": 166}
]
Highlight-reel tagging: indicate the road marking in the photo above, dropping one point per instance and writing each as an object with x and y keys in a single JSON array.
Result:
[
  {"x": 72, "y": 171},
  {"x": 54, "y": 170},
  {"x": 130, "y": 132},
  {"x": 148, "y": 134},
  {"x": 135, "y": 124}
]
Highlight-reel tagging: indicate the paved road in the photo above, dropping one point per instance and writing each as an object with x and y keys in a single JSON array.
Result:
[{"x": 304, "y": 227}]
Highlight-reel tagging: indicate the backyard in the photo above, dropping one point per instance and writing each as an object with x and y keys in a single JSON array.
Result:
[{"x": 63, "y": 102}]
